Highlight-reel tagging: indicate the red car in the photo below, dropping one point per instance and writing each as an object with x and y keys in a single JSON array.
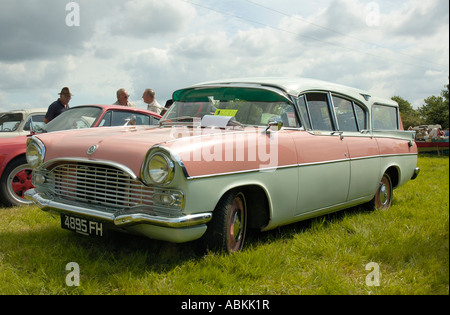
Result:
[{"x": 15, "y": 174}]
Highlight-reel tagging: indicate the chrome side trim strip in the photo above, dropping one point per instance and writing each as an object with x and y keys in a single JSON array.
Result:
[{"x": 271, "y": 169}]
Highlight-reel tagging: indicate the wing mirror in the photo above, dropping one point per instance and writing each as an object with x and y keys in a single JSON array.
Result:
[{"x": 275, "y": 124}]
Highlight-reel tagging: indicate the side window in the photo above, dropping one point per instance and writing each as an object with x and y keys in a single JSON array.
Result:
[
  {"x": 154, "y": 121},
  {"x": 120, "y": 118},
  {"x": 345, "y": 115},
  {"x": 384, "y": 117},
  {"x": 106, "y": 120},
  {"x": 319, "y": 111},
  {"x": 36, "y": 120},
  {"x": 142, "y": 119}
]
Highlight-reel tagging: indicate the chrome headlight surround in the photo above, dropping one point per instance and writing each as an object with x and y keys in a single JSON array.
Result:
[
  {"x": 158, "y": 169},
  {"x": 35, "y": 152}
]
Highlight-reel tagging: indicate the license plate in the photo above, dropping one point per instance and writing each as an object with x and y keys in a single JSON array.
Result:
[{"x": 82, "y": 226}]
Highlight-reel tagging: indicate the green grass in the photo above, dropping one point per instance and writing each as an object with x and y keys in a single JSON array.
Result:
[{"x": 327, "y": 255}]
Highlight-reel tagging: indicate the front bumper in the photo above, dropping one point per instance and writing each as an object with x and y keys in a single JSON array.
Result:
[{"x": 189, "y": 227}]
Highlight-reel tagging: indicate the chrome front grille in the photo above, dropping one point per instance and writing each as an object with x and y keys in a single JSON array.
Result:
[{"x": 100, "y": 185}]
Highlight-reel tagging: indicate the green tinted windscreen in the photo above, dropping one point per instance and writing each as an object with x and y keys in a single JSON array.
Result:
[{"x": 227, "y": 94}]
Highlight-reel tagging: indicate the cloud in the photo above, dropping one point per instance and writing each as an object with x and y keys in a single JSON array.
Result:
[
  {"x": 31, "y": 30},
  {"x": 34, "y": 74},
  {"x": 147, "y": 18},
  {"x": 419, "y": 19},
  {"x": 167, "y": 45}
]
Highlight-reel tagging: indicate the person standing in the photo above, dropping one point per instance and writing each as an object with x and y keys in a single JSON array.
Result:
[
  {"x": 152, "y": 103},
  {"x": 59, "y": 106},
  {"x": 122, "y": 98}
]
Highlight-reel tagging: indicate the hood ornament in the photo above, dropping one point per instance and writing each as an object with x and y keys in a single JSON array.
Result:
[{"x": 92, "y": 149}]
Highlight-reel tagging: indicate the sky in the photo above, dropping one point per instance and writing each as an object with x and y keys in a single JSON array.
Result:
[{"x": 390, "y": 48}]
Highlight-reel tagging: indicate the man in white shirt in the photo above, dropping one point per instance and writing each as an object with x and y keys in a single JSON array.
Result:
[
  {"x": 152, "y": 103},
  {"x": 122, "y": 98}
]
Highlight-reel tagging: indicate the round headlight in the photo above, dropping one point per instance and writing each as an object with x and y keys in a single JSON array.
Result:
[
  {"x": 34, "y": 154},
  {"x": 160, "y": 169}
]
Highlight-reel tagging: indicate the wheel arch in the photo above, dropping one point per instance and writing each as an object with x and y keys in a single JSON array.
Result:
[
  {"x": 257, "y": 202},
  {"x": 394, "y": 173},
  {"x": 9, "y": 161}
]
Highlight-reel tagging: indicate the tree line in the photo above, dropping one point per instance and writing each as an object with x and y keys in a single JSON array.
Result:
[{"x": 434, "y": 111}]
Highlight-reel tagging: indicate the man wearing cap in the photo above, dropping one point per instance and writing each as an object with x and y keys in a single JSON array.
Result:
[{"x": 58, "y": 107}]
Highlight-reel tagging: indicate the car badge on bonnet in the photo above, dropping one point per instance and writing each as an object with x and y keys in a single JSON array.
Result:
[{"x": 92, "y": 149}]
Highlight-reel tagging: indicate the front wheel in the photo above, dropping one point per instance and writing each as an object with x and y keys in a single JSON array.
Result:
[
  {"x": 227, "y": 230},
  {"x": 16, "y": 180}
]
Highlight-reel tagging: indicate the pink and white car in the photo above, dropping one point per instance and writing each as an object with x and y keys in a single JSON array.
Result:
[{"x": 228, "y": 156}]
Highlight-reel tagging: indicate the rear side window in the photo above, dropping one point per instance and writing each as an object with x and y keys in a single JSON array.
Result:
[
  {"x": 350, "y": 116},
  {"x": 345, "y": 114},
  {"x": 384, "y": 117}
]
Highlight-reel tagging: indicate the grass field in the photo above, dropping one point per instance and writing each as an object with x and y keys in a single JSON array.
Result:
[{"x": 406, "y": 249}]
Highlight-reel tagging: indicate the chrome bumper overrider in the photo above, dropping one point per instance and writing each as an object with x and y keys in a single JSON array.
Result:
[
  {"x": 120, "y": 221},
  {"x": 416, "y": 173}
]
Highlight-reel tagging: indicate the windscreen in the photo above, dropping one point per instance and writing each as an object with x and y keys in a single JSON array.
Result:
[
  {"x": 246, "y": 106},
  {"x": 74, "y": 118},
  {"x": 10, "y": 122}
]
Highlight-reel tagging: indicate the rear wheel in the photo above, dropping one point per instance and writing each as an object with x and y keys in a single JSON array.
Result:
[
  {"x": 384, "y": 194},
  {"x": 227, "y": 230},
  {"x": 16, "y": 180}
]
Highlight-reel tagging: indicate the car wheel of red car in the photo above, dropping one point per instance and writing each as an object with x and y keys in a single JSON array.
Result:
[
  {"x": 227, "y": 230},
  {"x": 16, "y": 180}
]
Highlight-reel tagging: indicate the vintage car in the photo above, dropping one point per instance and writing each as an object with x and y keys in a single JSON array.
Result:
[
  {"x": 15, "y": 174},
  {"x": 228, "y": 156},
  {"x": 20, "y": 122}
]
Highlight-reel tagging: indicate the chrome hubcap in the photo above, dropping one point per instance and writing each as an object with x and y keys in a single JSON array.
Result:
[
  {"x": 383, "y": 194},
  {"x": 236, "y": 226}
]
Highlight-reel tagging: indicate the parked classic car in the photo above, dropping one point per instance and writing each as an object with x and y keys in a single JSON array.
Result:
[
  {"x": 15, "y": 173},
  {"x": 228, "y": 156},
  {"x": 20, "y": 122}
]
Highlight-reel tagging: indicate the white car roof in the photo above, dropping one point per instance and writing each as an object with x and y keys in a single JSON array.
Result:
[{"x": 296, "y": 86}]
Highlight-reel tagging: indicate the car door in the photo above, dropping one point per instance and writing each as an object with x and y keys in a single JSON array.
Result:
[
  {"x": 324, "y": 165},
  {"x": 352, "y": 123}
]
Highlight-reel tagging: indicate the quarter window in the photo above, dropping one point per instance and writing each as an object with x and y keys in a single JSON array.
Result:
[{"x": 384, "y": 117}]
